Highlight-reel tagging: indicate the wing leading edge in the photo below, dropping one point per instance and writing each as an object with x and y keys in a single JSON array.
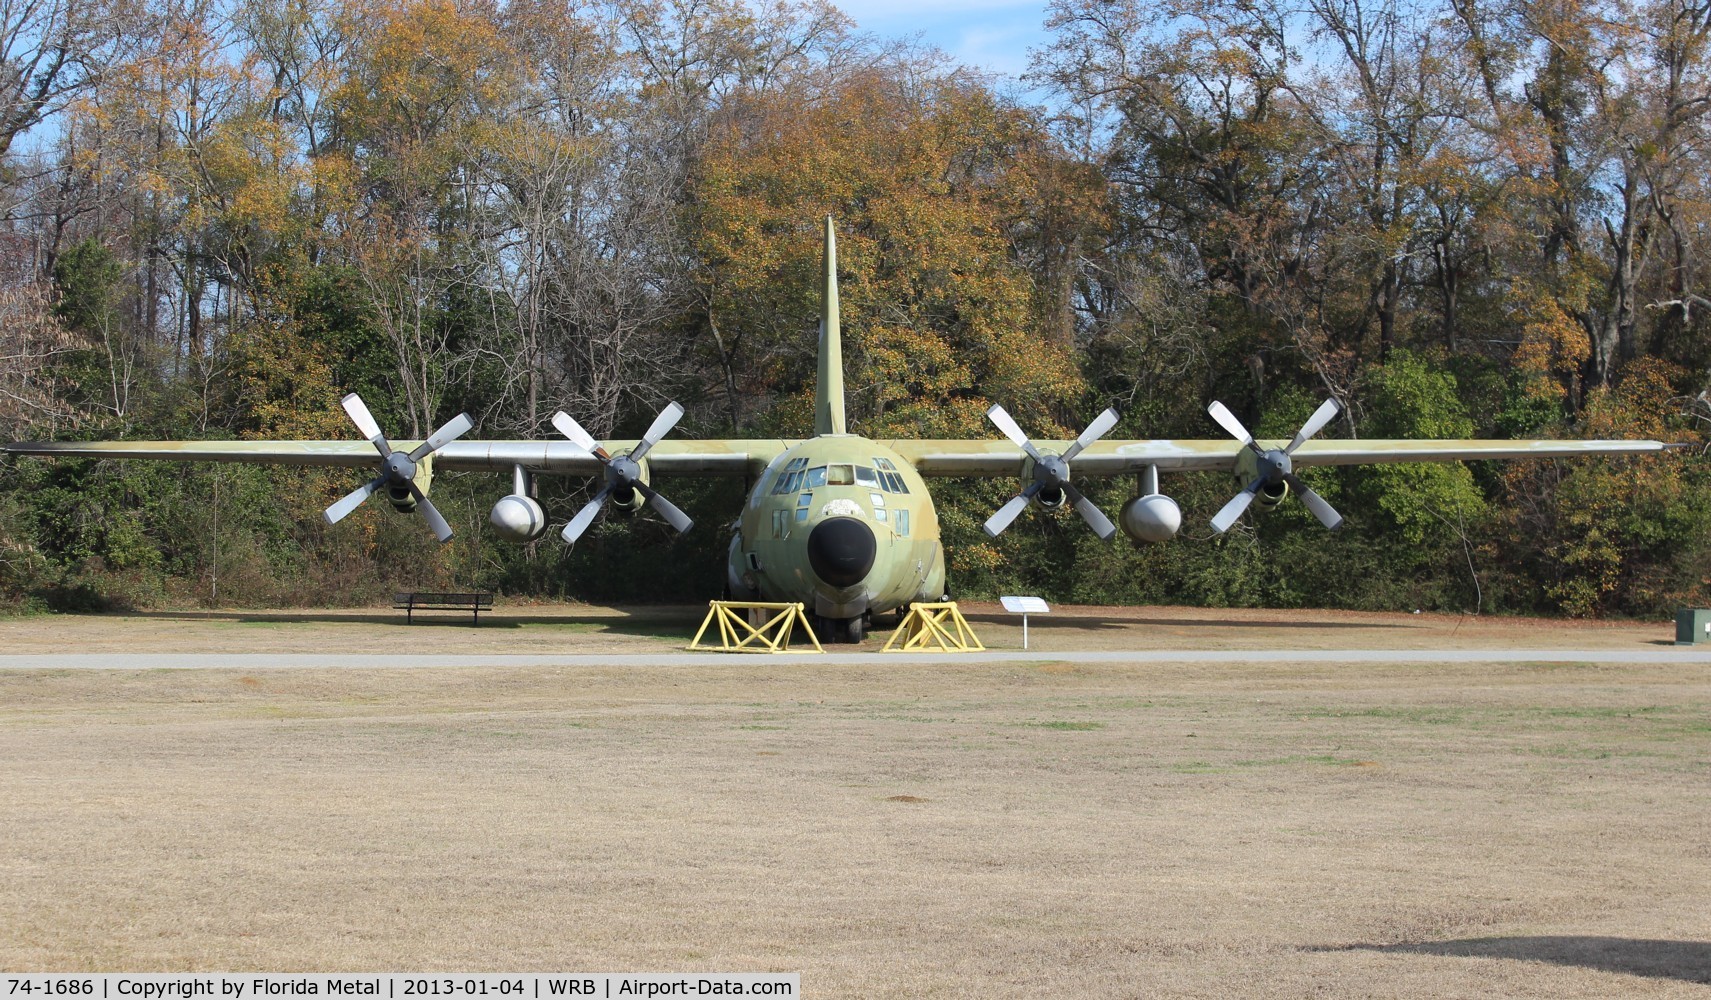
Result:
[
  {"x": 716, "y": 458},
  {"x": 974, "y": 457}
]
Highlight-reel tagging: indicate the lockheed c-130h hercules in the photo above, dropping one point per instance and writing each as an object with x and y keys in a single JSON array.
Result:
[{"x": 840, "y": 522}]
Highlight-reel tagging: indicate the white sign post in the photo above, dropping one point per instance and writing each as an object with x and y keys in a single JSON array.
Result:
[{"x": 1025, "y": 606}]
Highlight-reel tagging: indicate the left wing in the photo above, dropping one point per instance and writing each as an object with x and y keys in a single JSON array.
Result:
[
  {"x": 1154, "y": 517},
  {"x": 972, "y": 457}
]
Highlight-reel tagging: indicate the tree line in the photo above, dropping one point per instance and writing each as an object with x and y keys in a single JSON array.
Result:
[{"x": 1461, "y": 218}]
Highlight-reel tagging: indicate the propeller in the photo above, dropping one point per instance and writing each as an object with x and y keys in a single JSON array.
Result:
[
  {"x": 623, "y": 472},
  {"x": 398, "y": 468},
  {"x": 1051, "y": 473},
  {"x": 1275, "y": 466}
]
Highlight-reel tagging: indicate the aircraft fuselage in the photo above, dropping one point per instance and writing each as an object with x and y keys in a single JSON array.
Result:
[{"x": 844, "y": 525}]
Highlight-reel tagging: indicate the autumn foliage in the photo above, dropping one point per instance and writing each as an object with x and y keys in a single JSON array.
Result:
[{"x": 1459, "y": 220}]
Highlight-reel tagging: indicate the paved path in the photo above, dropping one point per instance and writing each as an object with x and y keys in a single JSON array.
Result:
[{"x": 1695, "y": 655}]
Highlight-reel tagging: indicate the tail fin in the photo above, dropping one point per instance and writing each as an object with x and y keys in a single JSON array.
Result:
[{"x": 829, "y": 392}]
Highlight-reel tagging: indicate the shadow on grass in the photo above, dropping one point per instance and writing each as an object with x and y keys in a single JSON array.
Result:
[
  {"x": 1095, "y": 623},
  {"x": 1688, "y": 961},
  {"x": 645, "y": 621}
]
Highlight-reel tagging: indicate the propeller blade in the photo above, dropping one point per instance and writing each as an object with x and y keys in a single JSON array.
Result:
[
  {"x": 1007, "y": 426},
  {"x": 661, "y": 426},
  {"x": 585, "y": 516},
  {"x": 668, "y": 510},
  {"x": 454, "y": 428},
  {"x": 426, "y": 508},
  {"x": 1314, "y": 424},
  {"x": 1326, "y": 514},
  {"x": 996, "y": 524},
  {"x": 352, "y": 500},
  {"x": 1096, "y": 430},
  {"x": 573, "y": 430},
  {"x": 1222, "y": 520},
  {"x": 357, "y": 410},
  {"x": 1228, "y": 421},
  {"x": 1091, "y": 513}
]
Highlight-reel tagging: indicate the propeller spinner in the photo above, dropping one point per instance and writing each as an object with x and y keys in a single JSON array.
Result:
[
  {"x": 398, "y": 468},
  {"x": 1275, "y": 467},
  {"x": 1051, "y": 473},
  {"x": 623, "y": 472}
]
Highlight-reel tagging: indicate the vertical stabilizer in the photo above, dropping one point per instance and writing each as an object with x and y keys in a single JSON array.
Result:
[{"x": 829, "y": 393}]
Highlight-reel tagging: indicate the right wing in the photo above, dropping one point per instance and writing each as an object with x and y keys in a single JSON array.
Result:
[{"x": 734, "y": 457}]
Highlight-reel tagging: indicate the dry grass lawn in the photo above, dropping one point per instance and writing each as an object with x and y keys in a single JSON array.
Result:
[
  {"x": 942, "y": 830},
  {"x": 549, "y": 628}
]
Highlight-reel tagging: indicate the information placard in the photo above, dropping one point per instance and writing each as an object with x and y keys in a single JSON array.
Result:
[{"x": 1024, "y": 606}]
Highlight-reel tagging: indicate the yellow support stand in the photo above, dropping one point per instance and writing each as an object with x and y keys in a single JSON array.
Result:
[
  {"x": 925, "y": 628},
  {"x": 736, "y": 635}
]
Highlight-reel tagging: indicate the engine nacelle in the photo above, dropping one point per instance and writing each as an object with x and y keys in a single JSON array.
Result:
[
  {"x": 1153, "y": 518},
  {"x": 401, "y": 499},
  {"x": 628, "y": 499},
  {"x": 518, "y": 519},
  {"x": 1052, "y": 497},
  {"x": 1271, "y": 494}
]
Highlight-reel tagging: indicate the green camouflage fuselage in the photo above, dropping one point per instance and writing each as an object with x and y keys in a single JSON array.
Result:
[{"x": 862, "y": 484}]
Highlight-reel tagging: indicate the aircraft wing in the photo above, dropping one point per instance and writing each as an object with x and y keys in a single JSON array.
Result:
[
  {"x": 731, "y": 457},
  {"x": 739, "y": 457},
  {"x": 971, "y": 457}
]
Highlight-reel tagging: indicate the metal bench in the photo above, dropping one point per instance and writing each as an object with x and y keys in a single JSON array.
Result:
[{"x": 411, "y": 603}]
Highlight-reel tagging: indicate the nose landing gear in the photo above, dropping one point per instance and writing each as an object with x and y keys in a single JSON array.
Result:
[{"x": 845, "y": 630}]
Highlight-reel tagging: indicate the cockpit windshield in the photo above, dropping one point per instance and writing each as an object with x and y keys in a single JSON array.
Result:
[{"x": 879, "y": 476}]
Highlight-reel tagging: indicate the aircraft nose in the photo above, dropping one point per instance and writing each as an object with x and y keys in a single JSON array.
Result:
[{"x": 841, "y": 551}]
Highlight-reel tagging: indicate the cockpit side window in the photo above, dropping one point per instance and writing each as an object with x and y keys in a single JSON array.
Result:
[
  {"x": 889, "y": 479},
  {"x": 789, "y": 477}
]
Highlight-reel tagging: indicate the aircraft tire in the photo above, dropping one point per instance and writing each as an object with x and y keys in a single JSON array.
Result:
[{"x": 855, "y": 629}]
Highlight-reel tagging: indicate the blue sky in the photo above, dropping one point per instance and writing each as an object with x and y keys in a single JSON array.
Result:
[{"x": 990, "y": 34}]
